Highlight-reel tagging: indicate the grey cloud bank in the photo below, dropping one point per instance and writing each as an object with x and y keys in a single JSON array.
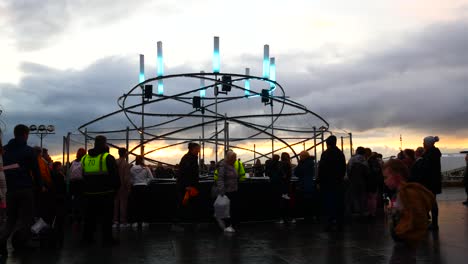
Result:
[{"x": 418, "y": 84}]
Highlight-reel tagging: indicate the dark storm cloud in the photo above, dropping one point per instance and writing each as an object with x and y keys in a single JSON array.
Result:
[
  {"x": 37, "y": 24},
  {"x": 419, "y": 84}
]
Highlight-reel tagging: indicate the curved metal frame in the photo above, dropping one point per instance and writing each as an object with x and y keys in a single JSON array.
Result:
[{"x": 211, "y": 117}]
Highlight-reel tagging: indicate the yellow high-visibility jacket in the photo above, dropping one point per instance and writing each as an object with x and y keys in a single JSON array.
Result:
[{"x": 239, "y": 166}]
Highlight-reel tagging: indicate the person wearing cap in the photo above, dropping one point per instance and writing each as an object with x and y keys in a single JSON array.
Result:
[{"x": 432, "y": 179}]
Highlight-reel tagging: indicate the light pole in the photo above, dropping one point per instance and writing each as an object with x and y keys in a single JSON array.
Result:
[{"x": 42, "y": 131}]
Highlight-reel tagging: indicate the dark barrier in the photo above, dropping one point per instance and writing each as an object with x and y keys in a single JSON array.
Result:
[{"x": 256, "y": 198}]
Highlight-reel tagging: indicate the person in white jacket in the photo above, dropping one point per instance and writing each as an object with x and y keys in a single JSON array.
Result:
[{"x": 140, "y": 176}]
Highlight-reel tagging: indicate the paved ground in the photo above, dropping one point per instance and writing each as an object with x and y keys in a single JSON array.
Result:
[{"x": 272, "y": 243}]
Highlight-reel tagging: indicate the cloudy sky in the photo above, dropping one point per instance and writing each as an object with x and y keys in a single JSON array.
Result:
[{"x": 375, "y": 68}]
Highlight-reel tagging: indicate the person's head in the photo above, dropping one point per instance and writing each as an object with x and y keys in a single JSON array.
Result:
[
  {"x": 258, "y": 162},
  {"x": 57, "y": 165},
  {"x": 194, "y": 148},
  {"x": 360, "y": 151},
  {"x": 409, "y": 154},
  {"x": 401, "y": 155},
  {"x": 37, "y": 151},
  {"x": 100, "y": 142},
  {"x": 367, "y": 152},
  {"x": 429, "y": 141},
  {"x": 466, "y": 158},
  {"x": 231, "y": 157},
  {"x": 419, "y": 152},
  {"x": 139, "y": 160},
  {"x": 285, "y": 157},
  {"x": 395, "y": 172},
  {"x": 303, "y": 155},
  {"x": 331, "y": 141},
  {"x": 122, "y": 152},
  {"x": 276, "y": 157},
  {"x": 80, "y": 153},
  {"x": 21, "y": 132}
]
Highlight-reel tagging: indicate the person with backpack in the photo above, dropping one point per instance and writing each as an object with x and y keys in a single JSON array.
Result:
[{"x": 76, "y": 188}]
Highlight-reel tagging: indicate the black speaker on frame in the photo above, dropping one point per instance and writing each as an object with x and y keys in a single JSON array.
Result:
[
  {"x": 196, "y": 102},
  {"x": 148, "y": 91},
  {"x": 265, "y": 96},
  {"x": 227, "y": 80}
]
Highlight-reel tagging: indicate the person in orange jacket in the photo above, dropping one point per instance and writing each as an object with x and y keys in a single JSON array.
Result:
[{"x": 411, "y": 206}]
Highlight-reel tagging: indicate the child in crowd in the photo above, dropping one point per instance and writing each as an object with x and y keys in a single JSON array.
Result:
[{"x": 413, "y": 202}]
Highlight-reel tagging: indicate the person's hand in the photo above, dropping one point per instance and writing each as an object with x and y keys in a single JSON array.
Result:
[{"x": 43, "y": 189}]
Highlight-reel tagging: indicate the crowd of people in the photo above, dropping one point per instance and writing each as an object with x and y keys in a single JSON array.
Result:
[{"x": 100, "y": 188}]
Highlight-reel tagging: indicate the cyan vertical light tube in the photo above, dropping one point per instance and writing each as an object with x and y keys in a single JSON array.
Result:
[
  {"x": 247, "y": 82},
  {"x": 202, "y": 84},
  {"x": 266, "y": 61},
  {"x": 141, "y": 77},
  {"x": 160, "y": 64},
  {"x": 216, "y": 58},
  {"x": 272, "y": 73}
]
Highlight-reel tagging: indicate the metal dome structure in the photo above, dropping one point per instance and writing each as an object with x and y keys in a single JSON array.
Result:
[{"x": 221, "y": 110}]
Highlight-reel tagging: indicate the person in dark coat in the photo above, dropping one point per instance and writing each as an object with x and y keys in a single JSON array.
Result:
[
  {"x": 188, "y": 178},
  {"x": 465, "y": 179},
  {"x": 417, "y": 170},
  {"x": 358, "y": 173},
  {"x": 306, "y": 188},
  {"x": 23, "y": 180},
  {"x": 432, "y": 179},
  {"x": 372, "y": 183},
  {"x": 331, "y": 173}
]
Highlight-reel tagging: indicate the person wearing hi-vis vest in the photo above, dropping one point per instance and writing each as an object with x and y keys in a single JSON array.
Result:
[
  {"x": 239, "y": 167},
  {"x": 101, "y": 180}
]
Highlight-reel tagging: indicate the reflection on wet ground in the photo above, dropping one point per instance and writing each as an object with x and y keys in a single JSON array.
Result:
[{"x": 362, "y": 242}]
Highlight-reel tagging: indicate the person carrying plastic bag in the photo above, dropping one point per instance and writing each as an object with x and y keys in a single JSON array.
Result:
[{"x": 227, "y": 186}]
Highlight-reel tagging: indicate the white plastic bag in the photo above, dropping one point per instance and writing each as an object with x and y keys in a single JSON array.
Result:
[
  {"x": 222, "y": 207},
  {"x": 39, "y": 226}
]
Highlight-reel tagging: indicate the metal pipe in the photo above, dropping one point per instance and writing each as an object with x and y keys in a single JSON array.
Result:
[{"x": 342, "y": 149}]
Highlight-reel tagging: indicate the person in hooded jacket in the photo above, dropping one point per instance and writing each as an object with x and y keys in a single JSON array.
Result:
[
  {"x": 432, "y": 179},
  {"x": 101, "y": 181},
  {"x": 140, "y": 176}
]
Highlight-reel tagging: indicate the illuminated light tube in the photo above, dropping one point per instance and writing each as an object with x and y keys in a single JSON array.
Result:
[
  {"x": 202, "y": 84},
  {"x": 216, "y": 58},
  {"x": 160, "y": 64},
  {"x": 272, "y": 73},
  {"x": 266, "y": 61},
  {"x": 247, "y": 82},
  {"x": 141, "y": 77}
]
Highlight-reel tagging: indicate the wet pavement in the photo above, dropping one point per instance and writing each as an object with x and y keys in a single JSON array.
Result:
[{"x": 266, "y": 242}]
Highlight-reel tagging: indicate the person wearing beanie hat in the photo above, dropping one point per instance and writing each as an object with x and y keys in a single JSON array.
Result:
[
  {"x": 432, "y": 179},
  {"x": 430, "y": 140}
]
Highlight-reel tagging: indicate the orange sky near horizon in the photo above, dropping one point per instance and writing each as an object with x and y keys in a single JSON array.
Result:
[{"x": 388, "y": 146}]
